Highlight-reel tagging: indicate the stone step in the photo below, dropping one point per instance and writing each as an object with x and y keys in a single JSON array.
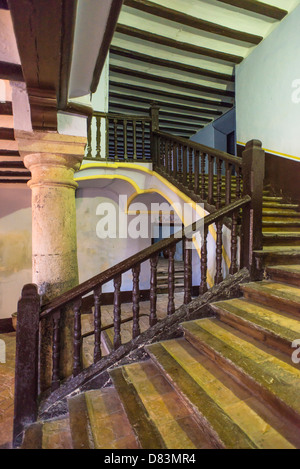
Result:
[
  {"x": 270, "y": 326},
  {"x": 285, "y": 274},
  {"x": 160, "y": 419},
  {"x": 277, "y": 295},
  {"x": 281, "y": 239},
  {"x": 109, "y": 425},
  {"x": 52, "y": 434},
  {"x": 277, "y": 213},
  {"x": 280, "y": 205},
  {"x": 273, "y": 255},
  {"x": 268, "y": 198},
  {"x": 228, "y": 414},
  {"x": 270, "y": 378}
]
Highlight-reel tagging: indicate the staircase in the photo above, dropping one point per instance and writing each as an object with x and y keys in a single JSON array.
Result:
[
  {"x": 163, "y": 277},
  {"x": 229, "y": 382}
]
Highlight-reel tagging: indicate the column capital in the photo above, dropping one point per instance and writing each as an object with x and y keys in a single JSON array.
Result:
[{"x": 52, "y": 158}]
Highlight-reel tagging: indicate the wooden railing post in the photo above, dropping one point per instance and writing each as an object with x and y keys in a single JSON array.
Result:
[
  {"x": 154, "y": 114},
  {"x": 253, "y": 181},
  {"x": 26, "y": 373}
]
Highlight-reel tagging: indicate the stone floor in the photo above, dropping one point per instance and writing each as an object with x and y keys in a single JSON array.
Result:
[{"x": 7, "y": 372}]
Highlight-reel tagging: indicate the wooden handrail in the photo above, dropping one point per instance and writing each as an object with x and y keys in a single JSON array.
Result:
[
  {"x": 87, "y": 287},
  {"x": 202, "y": 148}
]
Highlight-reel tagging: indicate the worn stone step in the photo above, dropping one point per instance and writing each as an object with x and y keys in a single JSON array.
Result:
[
  {"x": 285, "y": 274},
  {"x": 268, "y": 198},
  {"x": 270, "y": 378},
  {"x": 79, "y": 423},
  {"x": 109, "y": 425},
  {"x": 280, "y": 213},
  {"x": 158, "y": 409},
  {"x": 281, "y": 239},
  {"x": 274, "y": 294},
  {"x": 280, "y": 222},
  {"x": 273, "y": 255},
  {"x": 280, "y": 205},
  {"x": 52, "y": 434},
  {"x": 270, "y": 326},
  {"x": 228, "y": 414}
]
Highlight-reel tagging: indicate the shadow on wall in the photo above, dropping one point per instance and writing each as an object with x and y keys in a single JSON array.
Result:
[{"x": 15, "y": 247}]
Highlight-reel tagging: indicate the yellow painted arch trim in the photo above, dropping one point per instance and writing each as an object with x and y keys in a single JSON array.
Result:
[{"x": 139, "y": 191}]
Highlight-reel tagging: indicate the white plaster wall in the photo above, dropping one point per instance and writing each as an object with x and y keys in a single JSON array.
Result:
[
  {"x": 8, "y": 46},
  {"x": 265, "y": 92},
  {"x": 15, "y": 246}
]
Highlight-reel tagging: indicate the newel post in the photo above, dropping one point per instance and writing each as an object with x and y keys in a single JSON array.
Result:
[
  {"x": 253, "y": 181},
  {"x": 27, "y": 353},
  {"x": 154, "y": 114}
]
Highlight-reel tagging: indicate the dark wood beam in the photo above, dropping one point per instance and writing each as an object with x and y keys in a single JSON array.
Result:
[
  {"x": 107, "y": 38},
  {"x": 170, "y": 81},
  {"x": 68, "y": 32},
  {"x": 191, "y": 21},
  {"x": 6, "y": 134},
  {"x": 3, "y": 5},
  {"x": 168, "y": 94},
  {"x": 164, "y": 104},
  {"x": 186, "y": 47},
  {"x": 44, "y": 33},
  {"x": 257, "y": 7},
  {"x": 14, "y": 181},
  {"x": 9, "y": 71},
  {"x": 14, "y": 174},
  {"x": 170, "y": 64},
  {"x": 12, "y": 164},
  {"x": 165, "y": 128},
  {"x": 10, "y": 153},
  {"x": 6, "y": 109}
]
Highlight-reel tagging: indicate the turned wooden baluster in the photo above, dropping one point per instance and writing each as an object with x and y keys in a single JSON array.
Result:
[
  {"x": 191, "y": 168},
  {"x": 98, "y": 148},
  {"x": 125, "y": 139},
  {"x": 203, "y": 286},
  {"x": 77, "y": 338},
  {"x": 185, "y": 167},
  {"x": 134, "y": 140},
  {"x": 143, "y": 140},
  {"x": 153, "y": 290},
  {"x": 219, "y": 183},
  {"x": 211, "y": 180},
  {"x": 116, "y": 138},
  {"x": 97, "y": 324},
  {"x": 203, "y": 181},
  {"x": 219, "y": 253},
  {"x": 187, "y": 271},
  {"x": 228, "y": 183},
  {"x": 180, "y": 163},
  {"x": 238, "y": 182},
  {"x": 170, "y": 159},
  {"x": 136, "y": 301},
  {"x": 196, "y": 172},
  {"x": 234, "y": 244},
  {"x": 175, "y": 160},
  {"x": 56, "y": 352},
  {"x": 166, "y": 162},
  {"x": 107, "y": 138},
  {"x": 89, "y": 138},
  {"x": 171, "y": 281},
  {"x": 117, "y": 312}
]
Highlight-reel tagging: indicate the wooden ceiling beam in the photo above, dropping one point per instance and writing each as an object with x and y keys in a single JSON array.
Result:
[
  {"x": 6, "y": 109},
  {"x": 168, "y": 94},
  {"x": 178, "y": 45},
  {"x": 181, "y": 124},
  {"x": 44, "y": 33},
  {"x": 258, "y": 7},
  {"x": 178, "y": 106},
  {"x": 191, "y": 21},
  {"x": 170, "y": 64},
  {"x": 9, "y": 71},
  {"x": 107, "y": 38},
  {"x": 171, "y": 81},
  {"x": 4, "y": 5}
]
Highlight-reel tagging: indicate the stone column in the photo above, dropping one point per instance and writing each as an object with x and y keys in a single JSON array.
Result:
[{"x": 53, "y": 159}]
